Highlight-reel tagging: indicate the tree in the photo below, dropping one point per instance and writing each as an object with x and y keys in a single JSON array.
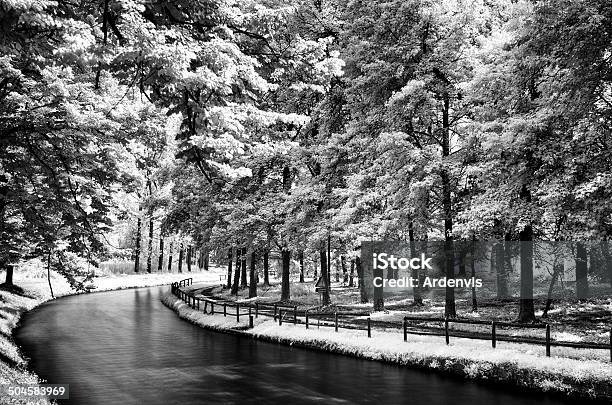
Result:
[
  {"x": 229, "y": 268},
  {"x": 237, "y": 271},
  {"x": 252, "y": 277},
  {"x": 582, "y": 283},
  {"x": 526, "y": 306},
  {"x": 63, "y": 139}
]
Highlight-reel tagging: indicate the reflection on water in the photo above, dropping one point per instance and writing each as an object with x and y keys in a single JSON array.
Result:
[{"x": 125, "y": 347}]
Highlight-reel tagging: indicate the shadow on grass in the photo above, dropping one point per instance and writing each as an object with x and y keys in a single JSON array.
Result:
[{"x": 14, "y": 289}]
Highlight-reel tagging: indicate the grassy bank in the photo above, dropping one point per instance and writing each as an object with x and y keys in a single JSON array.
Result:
[
  {"x": 33, "y": 290},
  {"x": 519, "y": 365}
]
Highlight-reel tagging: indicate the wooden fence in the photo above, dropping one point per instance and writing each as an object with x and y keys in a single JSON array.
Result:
[{"x": 362, "y": 321}]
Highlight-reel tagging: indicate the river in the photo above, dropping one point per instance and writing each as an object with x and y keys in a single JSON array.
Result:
[{"x": 126, "y": 347}]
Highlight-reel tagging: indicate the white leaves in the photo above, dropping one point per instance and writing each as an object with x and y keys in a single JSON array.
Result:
[
  {"x": 412, "y": 90},
  {"x": 231, "y": 173},
  {"x": 601, "y": 181}
]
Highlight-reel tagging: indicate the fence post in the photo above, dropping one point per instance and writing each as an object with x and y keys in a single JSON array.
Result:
[
  {"x": 306, "y": 314},
  {"x": 446, "y": 330},
  {"x": 256, "y": 309},
  {"x": 295, "y": 314},
  {"x": 250, "y": 312},
  {"x": 369, "y": 328},
  {"x": 493, "y": 334},
  {"x": 250, "y": 321},
  {"x": 336, "y": 320},
  {"x": 405, "y": 327},
  {"x": 275, "y": 307},
  {"x": 280, "y": 316},
  {"x": 237, "y": 312},
  {"x": 212, "y": 307},
  {"x": 224, "y": 309},
  {"x": 547, "y": 340}
]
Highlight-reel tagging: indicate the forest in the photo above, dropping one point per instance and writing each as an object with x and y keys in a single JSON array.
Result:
[{"x": 289, "y": 131}]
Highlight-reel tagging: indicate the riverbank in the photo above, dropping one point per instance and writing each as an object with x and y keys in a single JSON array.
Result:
[
  {"x": 34, "y": 291},
  {"x": 517, "y": 365}
]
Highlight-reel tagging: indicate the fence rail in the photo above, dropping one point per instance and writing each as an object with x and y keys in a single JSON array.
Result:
[{"x": 361, "y": 321}]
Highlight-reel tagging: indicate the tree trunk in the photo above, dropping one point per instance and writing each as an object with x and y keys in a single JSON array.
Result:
[
  {"x": 49, "y": 274},
  {"x": 449, "y": 307},
  {"x": 150, "y": 246},
  {"x": 189, "y": 257},
  {"x": 203, "y": 260},
  {"x": 608, "y": 259},
  {"x": 362, "y": 288},
  {"x": 243, "y": 269},
  {"x": 378, "y": 295},
  {"x": 229, "y": 268},
  {"x": 237, "y": 272},
  {"x": 285, "y": 293},
  {"x": 206, "y": 259},
  {"x": 473, "y": 268},
  {"x": 252, "y": 278},
  {"x": 285, "y": 252},
  {"x": 462, "y": 254},
  {"x": 180, "y": 263},
  {"x": 344, "y": 269},
  {"x": 500, "y": 271},
  {"x": 416, "y": 290},
  {"x": 301, "y": 259},
  {"x": 328, "y": 264},
  {"x": 352, "y": 274},
  {"x": 10, "y": 270},
  {"x": 137, "y": 252},
  {"x": 160, "y": 258},
  {"x": 325, "y": 277},
  {"x": 170, "y": 257},
  {"x": 558, "y": 269},
  {"x": 582, "y": 282},
  {"x": 266, "y": 268},
  {"x": 526, "y": 307},
  {"x": 316, "y": 268},
  {"x": 200, "y": 261}
]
